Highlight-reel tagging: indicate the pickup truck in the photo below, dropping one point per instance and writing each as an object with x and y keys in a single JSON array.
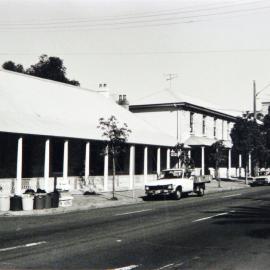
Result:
[{"x": 176, "y": 182}]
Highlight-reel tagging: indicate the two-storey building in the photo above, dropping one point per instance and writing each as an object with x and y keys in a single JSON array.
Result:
[{"x": 193, "y": 122}]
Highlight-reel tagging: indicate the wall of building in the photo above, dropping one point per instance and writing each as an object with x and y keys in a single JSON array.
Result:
[{"x": 167, "y": 122}]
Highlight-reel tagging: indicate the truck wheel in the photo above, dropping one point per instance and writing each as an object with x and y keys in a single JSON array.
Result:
[
  {"x": 178, "y": 194},
  {"x": 200, "y": 192}
]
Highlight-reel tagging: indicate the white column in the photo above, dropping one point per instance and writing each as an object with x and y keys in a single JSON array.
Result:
[
  {"x": 168, "y": 158},
  {"x": 229, "y": 163},
  {"x": 47, "y": 165},
  {"x": 240, "y": 164},
  {"x": 18, "y": 185},
  {"x": 203, "y": 169},
  {"x": 65, "y": 161},
  {"x": 145, "y": 164},
  {"x": 189, "y": 153},
  {"x": 179, "y": 161},
  {"x": 249, "y": 164},
  {"x": 131, "y": 166},
  {"x": 106, "y": 169},
  {"x": 87, "y": 161},
  {"x": 158, "y": 160}
]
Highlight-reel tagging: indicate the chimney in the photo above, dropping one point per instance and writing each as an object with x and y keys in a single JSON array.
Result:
[
  {"x": 122, "y": 101},
  {"x": 104, "y": 90}
]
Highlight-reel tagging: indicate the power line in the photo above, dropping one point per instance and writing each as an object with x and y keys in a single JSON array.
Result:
[
  {"x": 136, "y": 24},
  {"x": 125, "y": 17},
  {"x": 267, "y": 50}
]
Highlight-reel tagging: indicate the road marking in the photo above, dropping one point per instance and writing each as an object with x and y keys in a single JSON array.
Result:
[
  {"x": 178, "y": 264},
  {"x": 228, "y": 196},
  {"x": 23, "y": 246},
  {"x": 205, "y": 218},
  {"x": 127, "y": 267},
  {"x": 166, "y": 266},
  {"x": 134, "y": 212},
  {"x": 119, "y": 240}
]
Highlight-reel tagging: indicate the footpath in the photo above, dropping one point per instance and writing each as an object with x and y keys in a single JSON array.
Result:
[{"x": 102, "y": 200}]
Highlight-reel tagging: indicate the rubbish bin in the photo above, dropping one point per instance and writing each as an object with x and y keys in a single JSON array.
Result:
[
  {"x": 16, "y": 203},
  {"x": 48, "y": 201},
  {"x": 4, "y": 202},
  {"x": 39, "y": 201},
  {"x": 55, "y": 199},
  {"x": 28, "y": 202}
]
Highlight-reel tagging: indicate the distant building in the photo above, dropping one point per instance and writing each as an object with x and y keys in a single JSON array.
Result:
[{"x": 193, "y": 122}]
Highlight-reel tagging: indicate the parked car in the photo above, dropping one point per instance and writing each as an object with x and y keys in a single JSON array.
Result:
[
  {"x": 176, "y": 182},
  {"x": 263, "y": 179}
]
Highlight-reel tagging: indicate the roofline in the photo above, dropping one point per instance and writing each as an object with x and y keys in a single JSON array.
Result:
[
  {"x": 180, "y": 105},
  {"x": 47, "y": 80},
  {"x": 86, "y": 139}
]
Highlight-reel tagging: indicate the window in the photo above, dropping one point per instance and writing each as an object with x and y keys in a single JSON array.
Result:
[
  {"x": 191, "y": 122},
  {"x": 215, "y": 127},
  {"x": 203, "y": 125}
]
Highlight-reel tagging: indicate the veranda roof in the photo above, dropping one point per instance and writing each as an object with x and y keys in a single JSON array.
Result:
[
  {"x": 204, "y": 141},
  {"x": 30, "y": 105}
]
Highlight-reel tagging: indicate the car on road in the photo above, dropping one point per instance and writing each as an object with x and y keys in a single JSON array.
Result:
[
  {"x": 175, "y": 183},
  {"x": 263, "y": 179}
]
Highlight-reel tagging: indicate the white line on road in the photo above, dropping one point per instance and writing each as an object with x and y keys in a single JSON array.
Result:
[
  {"x": 205, "y": 218},
  {"x": 127, "y": 267},
  {"x": 228, "y": 196},
  {"x": 134, "y": 212},
  {"x": 23, "y": 246},
  {"x": 165, "y": 266}
]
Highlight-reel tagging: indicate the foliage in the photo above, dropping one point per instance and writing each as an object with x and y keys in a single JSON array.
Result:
[
  {"x": 116, "y": 137},
  {"x": 183, "y": 156},
  {"x": 115, "y": 134},
  {"x": 51, "y": 68},
  {"x": 218, "y": 155},
  {"x": 9, "y": 65},
  {"x": 248, "y": 137}
]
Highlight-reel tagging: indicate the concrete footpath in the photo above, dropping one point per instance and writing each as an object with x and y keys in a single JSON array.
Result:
[{"x": 102, "y": 200}]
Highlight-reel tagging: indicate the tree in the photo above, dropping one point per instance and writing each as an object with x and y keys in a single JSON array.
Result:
[
  {"x": 183, "y": 156},
  {"x": 9, "y": 65},
  {"x": 116, "y": 137},
  {"x": 248, "y": 138},
  {"x": 218, "y": 155},
  {"x": 51, "y": 68}
]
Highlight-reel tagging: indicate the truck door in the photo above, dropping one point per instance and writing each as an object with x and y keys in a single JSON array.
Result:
[{"x": 190, "y": 183}]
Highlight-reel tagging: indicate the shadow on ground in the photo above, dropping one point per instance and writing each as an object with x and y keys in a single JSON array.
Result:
[{"x": 259, "y": 216}]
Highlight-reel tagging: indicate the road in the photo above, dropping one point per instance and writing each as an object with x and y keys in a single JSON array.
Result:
[{"x": 228, "y": 230}]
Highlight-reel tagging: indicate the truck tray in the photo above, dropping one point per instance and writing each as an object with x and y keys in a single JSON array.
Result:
[{"x": 202, "y": 179}]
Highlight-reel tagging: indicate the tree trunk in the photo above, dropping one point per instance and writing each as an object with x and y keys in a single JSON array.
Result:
[
  {"x": 113, "y": 180},
  {"x": 256, "y": 169},
  {"x": 217, "y": 174},
  {"x": 246, "y": 175}
]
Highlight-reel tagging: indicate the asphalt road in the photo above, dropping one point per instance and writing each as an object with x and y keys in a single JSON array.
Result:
[{"x": 228, "y": 230}]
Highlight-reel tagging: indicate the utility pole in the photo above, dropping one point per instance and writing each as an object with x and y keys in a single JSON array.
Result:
[{"x": 254, "y": 100}]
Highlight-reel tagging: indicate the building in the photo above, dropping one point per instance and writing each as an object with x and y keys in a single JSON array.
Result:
[
  {"x": 49, "y": 129},
  {"x": 193, "y": 122}
]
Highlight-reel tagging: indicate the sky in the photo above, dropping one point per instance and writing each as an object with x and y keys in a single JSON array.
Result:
[{"x": 216, "y": 48}]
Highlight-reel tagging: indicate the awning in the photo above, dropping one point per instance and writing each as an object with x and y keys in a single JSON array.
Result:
[{"x": 204, "y": 141}]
